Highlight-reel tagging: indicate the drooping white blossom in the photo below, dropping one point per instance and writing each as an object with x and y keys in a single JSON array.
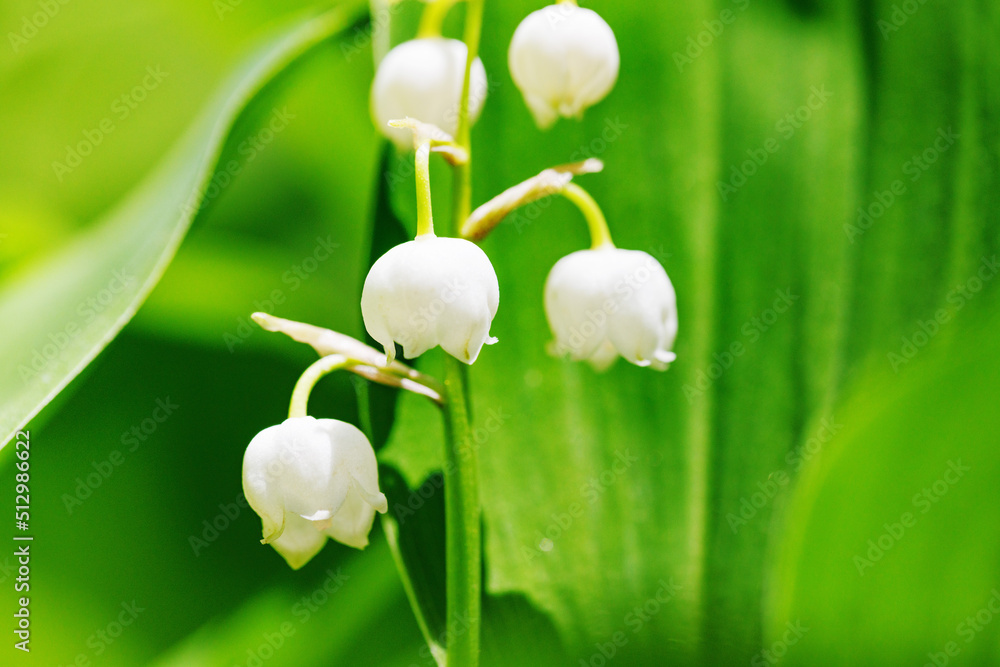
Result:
[
  {"x": 423, "y": 79},
  {"x": 428, "y": 292},
  {"x": 311, "y": 479},
  {"x": 607, "y": 302},
  {"x": 564, "y": 59}
]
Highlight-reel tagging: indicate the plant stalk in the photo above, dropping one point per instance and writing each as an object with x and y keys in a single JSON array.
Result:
[
  {"x": 462, "y": 506},
  {"x": 600, "y": 235},
  {"x": 462, "y": 515}
]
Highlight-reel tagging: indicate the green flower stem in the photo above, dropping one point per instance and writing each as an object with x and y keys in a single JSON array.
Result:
[
  {"x": 550, "y": 181},
  {"x": 461, "y": 490},
  {"x": 400, "y": 378},
  {"x": 600, "y": 235},
  {"x": 425, "y": 216},
  {"x": 462, "y": 516},
  {"x": 308, "y": 380},
  {"x": 463, "y": 137},
  {"x": 392, "y": 537},
  {"x": 433, "y": 18}
]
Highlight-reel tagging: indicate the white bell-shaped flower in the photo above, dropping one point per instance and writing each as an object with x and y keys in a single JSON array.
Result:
[
  {"x": 607, "y": 302},
  {"x": 310, "y": 479},
  {"x": 423, "y": 79},
  {"x": 432, "y": 291},
  {"x": 563, "y": 59}
]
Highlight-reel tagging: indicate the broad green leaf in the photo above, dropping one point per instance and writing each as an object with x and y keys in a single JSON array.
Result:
[
  {"x": 60, "y": 313},
  {"x": 889, "y": 537},
  {"x": 602, "y": 490},
  {"x": 338, "y": 619},
  {"x": 513, "y": 632}
]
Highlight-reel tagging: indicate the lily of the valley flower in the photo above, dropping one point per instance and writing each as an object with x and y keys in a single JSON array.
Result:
[
  {"x": 310, "y": 479},
  {"x": 428, "y": 292},
  {"x": 423, "y": 79},
  {"x": 606, "y": 302},
  {"x": 563, "y": 59}
]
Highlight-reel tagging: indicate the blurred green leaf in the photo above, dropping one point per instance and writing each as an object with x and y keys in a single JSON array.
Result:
[
  {"x": 602, "y": 491},
  {"x": 889, "y": 537},
  {"x": 68, "y": 307},
  {"x": 710, "y": 435},
  {"x": 333, "y": 623}
]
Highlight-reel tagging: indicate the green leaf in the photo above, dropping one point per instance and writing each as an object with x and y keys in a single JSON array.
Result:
[
  {"x": 601, "y": 491},
  {"x": 888, "y": 538},
  {"x": 359, "y": 600},
  {"x": 513, "y": 631},
  {"x": 61, "y": 312}
]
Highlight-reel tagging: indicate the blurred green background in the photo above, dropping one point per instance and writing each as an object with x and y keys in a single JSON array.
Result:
[{"x": 774, "y": 454}]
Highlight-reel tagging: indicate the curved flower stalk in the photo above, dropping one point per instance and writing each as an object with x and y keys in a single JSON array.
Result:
[
  {"x": 370, "y": 361},
  {"x": 600, "y": 303},
  {"x": 314, "y": 479},
  {"x": 551, "y": 181},
  {"x": 563, "y": 59}
]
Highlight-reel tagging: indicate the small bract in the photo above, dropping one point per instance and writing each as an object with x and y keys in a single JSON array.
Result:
[
  {"x": 310, "y": 479},
  {"x": 428, "y": 292},
  {"x": 423, "y": 79},
  {"x": 607, "y": 302},
  {"x": 563, "y": 59}
]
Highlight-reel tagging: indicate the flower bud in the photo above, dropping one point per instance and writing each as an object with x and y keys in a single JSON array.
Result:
[
  {"x": 432, "y": 291},
  {"x": 607, "y": 302},
  {"x": 310, "y": 479},
  {"x": 423, "y": 79},
  {"x": 563, "y": 59}
]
